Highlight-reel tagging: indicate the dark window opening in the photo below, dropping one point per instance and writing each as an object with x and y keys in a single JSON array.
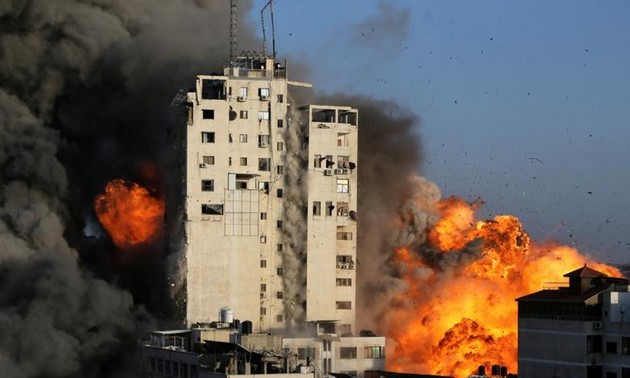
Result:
[
  {"x": 207, "y": 137},
  {"x": 213, "y": 89},
  {"x": 211, "y": 209},
  {"x": 207, "y": 185},
  {"x": 207, "y": 113}
]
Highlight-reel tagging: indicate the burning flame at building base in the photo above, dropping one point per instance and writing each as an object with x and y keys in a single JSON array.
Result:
[
  {"x": 458, "y": 308},
  {"x": 129, "y": 213}
]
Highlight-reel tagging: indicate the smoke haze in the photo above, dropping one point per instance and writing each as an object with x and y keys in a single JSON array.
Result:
[{"x": 84, "y": 93}]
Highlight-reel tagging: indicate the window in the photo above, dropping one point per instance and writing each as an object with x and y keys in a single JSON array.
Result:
[
  {"x": 593, "y": 344},
  {"x": 209, "y": 160},
  {"x": 625, "y": 372},
  {"x": 279, "y": 193},
  {"x": 280, "y": 123},
  {"x": 167, "y": 367},
  {"x": 625, "y": 345},
  {"x": 304, "y": 353},
  {"x": 348, "y": 353},
  {"x": 611, "y": 374},
  {"x": 242, "y": 92},
  {"x": 317, "y": 161},
  {"x": 280, "y": 169},
  {"x": 279, "y": 294},
  {"x": 230, "y": 138},
  {"x": 374, "y": 352},
  {"x": 329, "y": 208},
  {"x": 242, "y": 138},
  {"x": 344, "y": 281},
  {"x": 160, "y": 365},
  {"x": 344, "y": 235},
  {"x": 207, "y": 185},
  {"x": 263, "y": 115},
  {"x": 263, "y": 287},
  {"x": 263, "y": 93},
  {"x": 279, "y": 224},
  {"x": 279, "y": 271},
  {"x": 280, "y": 98},
  {"x": 263, "y": 263},
  {"x": 263, "y": 141},
  {"x": 317, "y": 208},
  {"x": 343, "y": 185},
  {"x": 279, "y": 248},
  {"x": 343, "y": 305},
  {"x": 175, "y": 369},
  {"x": 243, "y": 161},
  {"x": 611, "y": 347},
  {"x": 184, "y": 370},
  {"x": 264, "y": 164},
  {"x": 279, "y": 318},
  {"x": 280, "y": 146},
  {"x": 207, "y": 113},
  {"x": 329, "y": 161},
  {"x": 343, "y": 161},
  {"x": 264, "y": 186},
  {"x": 263, "y": 311},
  {"x": 342, "y": 209},
  {"x": 243, "y": 114},
  {"x": 210, "y": 209},
  {"x": 345, "y": 262},
  {"x": 207, "y": 137}
]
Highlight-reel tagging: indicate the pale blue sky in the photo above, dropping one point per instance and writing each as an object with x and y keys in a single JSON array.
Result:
[{"x": 495, "y": 85}]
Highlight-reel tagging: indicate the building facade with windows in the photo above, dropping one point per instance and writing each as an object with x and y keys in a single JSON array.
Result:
[
  {"x": 577, "y": 331},
  {"x": 269, "y": 202}
]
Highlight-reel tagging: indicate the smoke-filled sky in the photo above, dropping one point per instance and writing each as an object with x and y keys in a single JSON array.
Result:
[{"x": 523, "y": 104}]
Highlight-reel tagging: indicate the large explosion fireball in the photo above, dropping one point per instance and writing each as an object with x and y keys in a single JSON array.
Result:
[
  {"x": 129, "y": 213},
  {"x": 458, "y": 310}
]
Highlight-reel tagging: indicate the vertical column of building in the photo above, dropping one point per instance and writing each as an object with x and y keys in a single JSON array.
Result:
[
  {"x": 207, "y": 151},
  {"x": 266, "y": 93},
  {"x": 332, "y": 199}
]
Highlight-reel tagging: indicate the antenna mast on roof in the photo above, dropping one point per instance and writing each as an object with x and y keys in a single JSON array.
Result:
[
  {"x": 273, "y": 29},
  {"x": 233, "y": 30}
]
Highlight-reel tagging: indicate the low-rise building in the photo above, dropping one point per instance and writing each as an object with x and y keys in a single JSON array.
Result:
[{"x": 230, "y": 349}]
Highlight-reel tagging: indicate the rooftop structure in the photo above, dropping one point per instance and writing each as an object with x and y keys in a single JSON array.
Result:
[{"x": 579, "y": 330}]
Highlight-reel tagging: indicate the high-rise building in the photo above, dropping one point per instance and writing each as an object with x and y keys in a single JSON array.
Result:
[
  {"x": 270, "y": 199},
  {"x": 576, "y": 331}
]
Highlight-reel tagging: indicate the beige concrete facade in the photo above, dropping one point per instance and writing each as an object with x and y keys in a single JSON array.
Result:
[
  {"x": 332, "y": 196},
  {"x": 234, "y": 188},
  {"x": 350, "y": 355}
]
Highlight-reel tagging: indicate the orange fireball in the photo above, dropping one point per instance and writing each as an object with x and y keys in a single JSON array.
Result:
[
  {"x": 458, "y": 310},
  {"x": 129, "y": 213}
]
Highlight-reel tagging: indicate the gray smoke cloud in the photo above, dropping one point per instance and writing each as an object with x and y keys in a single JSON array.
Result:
[
  {"x": 294, "y": 226},
  {"x": 386, "y": 31},
  {"x": 85, "y": 87}
]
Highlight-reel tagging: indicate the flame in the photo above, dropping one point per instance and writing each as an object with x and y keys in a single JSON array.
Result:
[
  {"x": 129, "y": 214},
  {"x": 453, "y": 318}
]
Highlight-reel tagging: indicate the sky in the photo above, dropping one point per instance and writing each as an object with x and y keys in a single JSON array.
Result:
[{"x": 523, "y": 104}]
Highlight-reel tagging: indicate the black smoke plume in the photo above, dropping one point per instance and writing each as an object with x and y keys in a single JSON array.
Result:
[{"x": 85, "y": 88}]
